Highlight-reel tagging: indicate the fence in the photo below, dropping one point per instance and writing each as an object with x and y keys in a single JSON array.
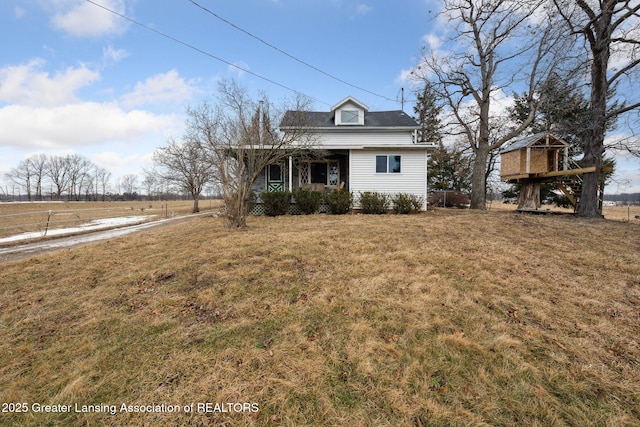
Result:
[{"x": 40, "y": 219}]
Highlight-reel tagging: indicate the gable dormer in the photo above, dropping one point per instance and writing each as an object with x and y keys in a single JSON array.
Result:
[{"x": 349, "y": 112}]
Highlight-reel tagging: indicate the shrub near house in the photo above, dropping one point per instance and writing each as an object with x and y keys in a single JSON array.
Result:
[
  {"x": 339, "y": 202},
  {"x": 275, "y": 203},
  {"x": 308, "y": 201}
]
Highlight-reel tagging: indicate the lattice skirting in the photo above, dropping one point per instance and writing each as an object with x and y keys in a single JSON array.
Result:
[{"x": 258, "y": 209}]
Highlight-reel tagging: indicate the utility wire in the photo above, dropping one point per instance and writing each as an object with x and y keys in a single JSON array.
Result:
[
  {"x": 286, "y": 53},
  {"x": 204, "y": 52}
]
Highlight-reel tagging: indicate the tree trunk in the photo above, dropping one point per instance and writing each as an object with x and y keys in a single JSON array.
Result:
[
  {"x": 594, "y": 135},
  {"x": 588, "y": 204},
  {"x": 529, "y": 197},
  {"x": 479, "y": 180},
  {"x": 594, "y": 143},
  {"x": 195, "y": 209}
]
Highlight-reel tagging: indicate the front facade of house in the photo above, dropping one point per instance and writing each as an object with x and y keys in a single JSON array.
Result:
[{"x": 361, "y": 151}]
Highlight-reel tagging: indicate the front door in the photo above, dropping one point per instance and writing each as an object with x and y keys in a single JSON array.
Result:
[{"x": 275, "y": 177}]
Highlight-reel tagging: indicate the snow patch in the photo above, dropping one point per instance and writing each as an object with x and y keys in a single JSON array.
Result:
[{"x": 96, "y": 224}]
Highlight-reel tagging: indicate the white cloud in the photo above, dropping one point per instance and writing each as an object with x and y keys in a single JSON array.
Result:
[
  {"x": 238, "y": 68},
  {"x": 167, "y": 87},
  {"x": 432, "y": 41},
  {"x": 363, "y": 9},
  {"x": 19, "y": 12},
  {"x": 406, "y": 77},
  {"x": 432, "y": 45},
  {"x": 111, "y": 55},
  {"x": 84, "y": 19},
  {"x": 75, "y": 125},
  {"x": 120, "y": 164},
  {"x": 28, "y": 85}
]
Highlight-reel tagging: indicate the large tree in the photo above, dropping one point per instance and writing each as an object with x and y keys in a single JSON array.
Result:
[
  {"x": 241, "y": 142},
  {"x": 427, "y": 113},
  {"x": 563, "y": 109},
  {"x": 448, "y": 166},
  {"x": 496, "y": 46},
  {"x": 611, "y": 29},
  {"x": 185, "y": 165}
]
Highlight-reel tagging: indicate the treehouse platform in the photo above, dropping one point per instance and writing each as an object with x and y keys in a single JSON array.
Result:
[{"x": 536, "y": 159}]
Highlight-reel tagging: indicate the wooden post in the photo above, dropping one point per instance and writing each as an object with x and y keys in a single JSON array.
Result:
[
  {"x": 47, "y": 227},
  {"x": 529, "y": 199}
]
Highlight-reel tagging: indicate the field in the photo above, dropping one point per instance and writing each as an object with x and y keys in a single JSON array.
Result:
[
  {"x": 16, "y": 218},
  {"x": 447, "y": 318}
]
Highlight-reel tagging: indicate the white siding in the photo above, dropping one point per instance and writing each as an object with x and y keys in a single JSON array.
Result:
[
  {"x": 412, "y": 178},
  {"x": 363, "y": 139}
]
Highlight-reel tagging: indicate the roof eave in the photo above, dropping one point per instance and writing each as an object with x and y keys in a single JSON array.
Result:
[{"x": 351, "y": 128}]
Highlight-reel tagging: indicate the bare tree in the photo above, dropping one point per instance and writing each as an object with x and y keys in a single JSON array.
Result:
[
  {"x": 57, "y": 170},
  {"x": 150, "y": 182},
  {"x": 611, "y": 29},
  {"x": 129, "y": 183},
  {"x": 497, "y": 46},
  {"x": 79, "y": 168},
  {"x": 102, "y": 181},
  {"x": 241, "y": 141},
  {"x": 184, "y": 164},
  {"x": 22, "y": 176},
  {"x": 38, "y": 164}
]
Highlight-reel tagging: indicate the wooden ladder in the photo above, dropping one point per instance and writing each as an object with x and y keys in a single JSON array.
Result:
[{"x": 571, "y": 186}]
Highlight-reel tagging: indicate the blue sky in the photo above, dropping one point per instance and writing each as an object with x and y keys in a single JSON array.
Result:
[{"x": 75, "y": 78}]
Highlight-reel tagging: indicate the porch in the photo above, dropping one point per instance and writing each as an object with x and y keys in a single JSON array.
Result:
[{"x": 327, "y": 173}]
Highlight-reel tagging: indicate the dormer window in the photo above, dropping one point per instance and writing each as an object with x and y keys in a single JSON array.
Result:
[
  {"x": 349, "y": 112},
  {"x": 350, "y": 117}
]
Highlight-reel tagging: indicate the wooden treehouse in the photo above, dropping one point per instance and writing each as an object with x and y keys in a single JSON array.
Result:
[{"x": 536, "y": 159}]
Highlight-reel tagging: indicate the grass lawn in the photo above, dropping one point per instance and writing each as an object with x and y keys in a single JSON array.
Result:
[{"x": 454, "y": 318}]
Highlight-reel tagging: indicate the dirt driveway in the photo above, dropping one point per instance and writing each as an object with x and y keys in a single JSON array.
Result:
[{"x": 24, "y": 251}]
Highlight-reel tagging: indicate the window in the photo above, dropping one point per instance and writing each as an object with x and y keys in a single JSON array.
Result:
[
  {"x": 275, "y": 172},
  {"x": 318, "y": 173},
  {"x": 388, "y": 164},
  {"x": 349, "y": 116}
]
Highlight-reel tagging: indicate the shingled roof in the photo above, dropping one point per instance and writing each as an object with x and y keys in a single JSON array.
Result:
[{"x": 373, "y": 119}]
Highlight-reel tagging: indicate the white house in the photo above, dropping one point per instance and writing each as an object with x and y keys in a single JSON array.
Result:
[{"x": 364, "y": 151}]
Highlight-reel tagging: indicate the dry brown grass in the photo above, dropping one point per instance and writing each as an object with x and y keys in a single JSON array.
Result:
[
  {"x": 446, "y": 318},
  {"x": 615, "y": 213},
  {"x": 16, "y": 218}
]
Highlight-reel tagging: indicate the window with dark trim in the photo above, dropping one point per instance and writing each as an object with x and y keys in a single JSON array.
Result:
[{"x": 388, "y": 164}]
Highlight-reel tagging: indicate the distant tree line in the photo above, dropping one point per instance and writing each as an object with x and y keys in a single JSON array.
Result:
[
  {"x": 627, "y": 198},
  {"x": 55, "y": 177},
  {"x": 75, "y": 178}
]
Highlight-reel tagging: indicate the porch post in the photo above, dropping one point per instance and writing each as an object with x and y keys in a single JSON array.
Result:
[{"x": 290, "y": 173}]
